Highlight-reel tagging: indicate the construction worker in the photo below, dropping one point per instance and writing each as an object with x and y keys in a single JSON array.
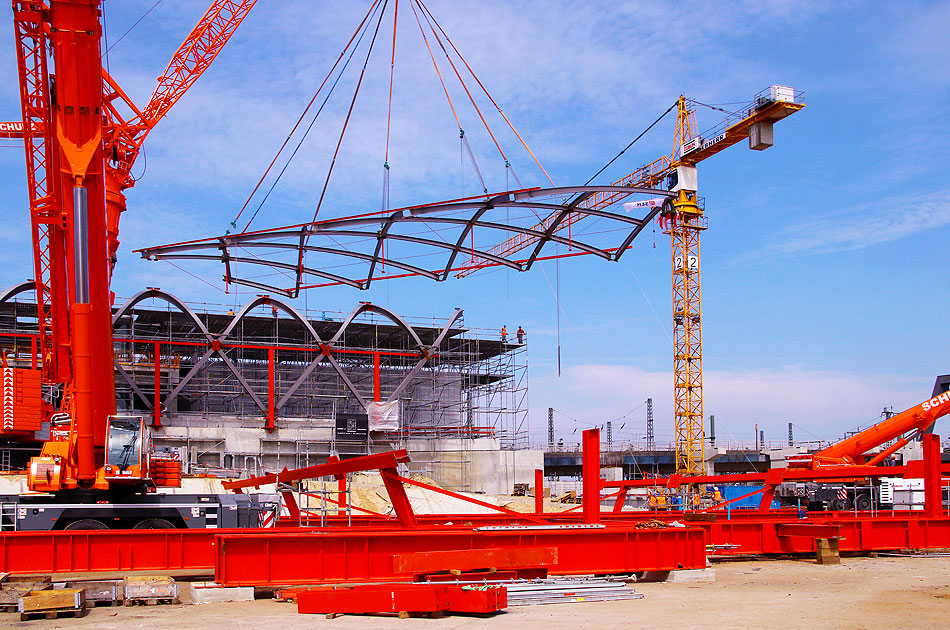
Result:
[
  {"x": 504, "y": 334},
  {"x": 520, "y": 333},
  {"x": 717, "y": 496},
  {"x": 652, "y": 500},
  {"x": 661, "y": 501}
]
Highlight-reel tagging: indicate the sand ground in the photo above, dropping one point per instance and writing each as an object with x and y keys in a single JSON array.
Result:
[{"x": 859, "y": 593}]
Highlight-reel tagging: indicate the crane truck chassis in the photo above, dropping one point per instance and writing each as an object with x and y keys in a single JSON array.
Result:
[{"x": 47, "y": 512}]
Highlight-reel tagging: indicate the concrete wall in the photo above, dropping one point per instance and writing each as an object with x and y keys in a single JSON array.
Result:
[{"x": 474, "y": 465}]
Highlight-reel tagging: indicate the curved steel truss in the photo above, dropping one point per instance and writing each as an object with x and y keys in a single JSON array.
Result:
[
  {"x": 218, "y": 342},
  {"x": 455, "y": 235},
  {"x": 218, "y": 345}
]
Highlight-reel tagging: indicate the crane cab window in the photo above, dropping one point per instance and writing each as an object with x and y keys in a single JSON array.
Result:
[{"x": 125, "y": 443}]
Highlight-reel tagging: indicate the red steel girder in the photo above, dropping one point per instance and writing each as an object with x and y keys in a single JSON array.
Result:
[
  {"x": 364, "y": 552},
  {"x": 276, "y": 558},
  {"x": 376, "y": 461},
  {"x": 381, "y": 598}
]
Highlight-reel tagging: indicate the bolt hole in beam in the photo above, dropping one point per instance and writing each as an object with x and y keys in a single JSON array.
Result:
[{"x": 431, "y": 241}]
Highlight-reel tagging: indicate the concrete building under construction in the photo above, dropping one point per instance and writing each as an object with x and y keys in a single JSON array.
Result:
[{"x": 269, "y": 386}]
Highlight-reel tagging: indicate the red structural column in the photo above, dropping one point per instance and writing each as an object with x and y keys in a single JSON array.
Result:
[
  {"x": 376, "y": 377},
  {"x": 157, "y": 408},
  {"x": 271, "y": 412},
  {"x": 538, "y": 491},
  {"x": 591, "y": 472},
  {"x": 33, "y": 353},
  {"x": 933, "y": 492},
  {"x": 341, "y": 491}
]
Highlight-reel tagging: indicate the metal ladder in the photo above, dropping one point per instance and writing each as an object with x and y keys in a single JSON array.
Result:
[
  {"x": 8, "y": 517},
  {"x": 211, "y": 516}
]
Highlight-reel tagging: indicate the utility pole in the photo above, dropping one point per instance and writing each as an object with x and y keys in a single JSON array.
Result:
[
  {"x": 550, "y": 427},
  {"x": 610, "y": 436},
  {"x": 651, "y": 443},
  {"x": 712, "y": 431},
  {"x": 791, "y": 438}
]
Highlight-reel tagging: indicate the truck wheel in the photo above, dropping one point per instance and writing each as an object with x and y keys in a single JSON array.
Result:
[
  {"x": 153, "y": 523},
  {"x": 840, "y": 505},
  {"x": 862, "y": 502},
  {"x": 86, "y": 523}
]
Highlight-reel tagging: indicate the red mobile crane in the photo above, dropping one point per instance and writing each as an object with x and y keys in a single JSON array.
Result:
[
  {"x": 80, "y": 150},
  {"x": 900, "y": 428}
]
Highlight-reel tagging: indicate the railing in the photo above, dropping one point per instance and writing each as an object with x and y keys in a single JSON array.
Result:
[{"x": 421, "y": 433}]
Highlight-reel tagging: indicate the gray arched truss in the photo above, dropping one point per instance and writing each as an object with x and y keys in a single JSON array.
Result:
[
  {"x": 218, "y": 345},
  {"x": 374, "y": 234}
]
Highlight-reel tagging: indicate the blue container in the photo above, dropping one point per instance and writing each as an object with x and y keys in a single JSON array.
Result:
[{"x": 731, "y": 492}]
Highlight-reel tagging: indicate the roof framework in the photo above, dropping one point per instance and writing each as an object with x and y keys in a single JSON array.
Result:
[{"x": 432, "y": 241}]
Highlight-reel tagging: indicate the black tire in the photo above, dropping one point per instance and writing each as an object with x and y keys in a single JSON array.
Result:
[
  {"x": 862, "y": 502},
  {"x": 87, "y": 523},
  {"x": 153, "y": 523},
  {"x": 840, "y": 505}
]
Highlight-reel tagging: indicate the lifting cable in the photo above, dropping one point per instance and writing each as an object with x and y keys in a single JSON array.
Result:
[
  {"x": 477, "y": 80},
  {"x": 464, "y": 86},
  {"x": 643, "y": 133},
  {"x": 349, "y": 112},
  {"x": 389, "y": 116},
  {"x": 462, "y": 139},
  {"x": 389, "y": 113},
  {"x": 302, "y": 116}
]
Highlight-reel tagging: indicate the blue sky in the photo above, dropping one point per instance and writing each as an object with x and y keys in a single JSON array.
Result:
[{"x": 824, "y": 284}]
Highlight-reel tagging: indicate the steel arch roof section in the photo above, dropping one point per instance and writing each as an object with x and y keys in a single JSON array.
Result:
[
  {"x": 432, "y": 241},
  {"x": 219, "y": 343}
]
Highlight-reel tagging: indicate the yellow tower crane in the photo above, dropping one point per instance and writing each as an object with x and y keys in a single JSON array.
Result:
[{"x": 685, "y": 221}]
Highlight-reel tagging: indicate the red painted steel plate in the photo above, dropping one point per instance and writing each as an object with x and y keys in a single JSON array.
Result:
[{"x": 277, "y": 558}]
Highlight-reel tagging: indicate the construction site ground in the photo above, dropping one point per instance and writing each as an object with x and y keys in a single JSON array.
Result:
[{"x": 859, "y": 593}]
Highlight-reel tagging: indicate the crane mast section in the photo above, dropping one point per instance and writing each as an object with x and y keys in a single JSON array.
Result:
[
  {"x": 30, "y": 25},
  {"x": 687, "y": 334}
]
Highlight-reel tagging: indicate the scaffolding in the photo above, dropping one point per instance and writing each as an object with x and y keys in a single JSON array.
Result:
[{"x": 298, "y": 382}]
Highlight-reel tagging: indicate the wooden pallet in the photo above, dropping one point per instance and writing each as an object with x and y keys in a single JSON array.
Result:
[
  {"x": 150, "y": 601},
  {"x": 54, "y": 614},
  {"x": 51, "y": 604}
]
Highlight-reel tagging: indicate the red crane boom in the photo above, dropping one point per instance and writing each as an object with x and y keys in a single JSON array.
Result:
[{"x": 79, "y": 153}]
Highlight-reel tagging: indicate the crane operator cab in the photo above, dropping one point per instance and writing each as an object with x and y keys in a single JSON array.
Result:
[
  {"x": 127, "y": 462},
  {"x": 127, "y": 447}
]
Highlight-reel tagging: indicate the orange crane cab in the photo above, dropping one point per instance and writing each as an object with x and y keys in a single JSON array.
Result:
[{"x": 128, "y": 460}]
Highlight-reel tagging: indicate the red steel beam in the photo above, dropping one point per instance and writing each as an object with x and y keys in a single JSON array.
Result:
[
  {"x": 362, "y": 551},
  {"x": 484, "y": 504},
  {"x": 591, "y": 476},
  {"x": 933, "y": 492},
  {"x": 539, "y": 491},
  {"x": 388, "y": 459},
  {"x": 276, "y": 558}
]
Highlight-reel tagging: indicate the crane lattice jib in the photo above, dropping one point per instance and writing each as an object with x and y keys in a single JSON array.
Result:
[
  {"x": 31, "y": 41},
  {"x": 731, "y": 131},
  {"x": 192, "y": 58},
  {"x": 647, "y": 176}
]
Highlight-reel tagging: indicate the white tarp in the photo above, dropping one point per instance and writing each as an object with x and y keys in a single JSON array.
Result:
[
  {"x": 644, "y": 203},
  {"x": 383, "y": 416}
]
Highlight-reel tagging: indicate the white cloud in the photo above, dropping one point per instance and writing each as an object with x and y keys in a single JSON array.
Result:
[{"x": 865, "y": 225}]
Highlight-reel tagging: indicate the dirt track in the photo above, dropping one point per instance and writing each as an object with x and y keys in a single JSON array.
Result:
[{"x": 868, "y": 593}]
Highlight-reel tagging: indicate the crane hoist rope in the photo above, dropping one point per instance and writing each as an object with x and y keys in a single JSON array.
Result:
[{"x": 357, "y": 33}]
